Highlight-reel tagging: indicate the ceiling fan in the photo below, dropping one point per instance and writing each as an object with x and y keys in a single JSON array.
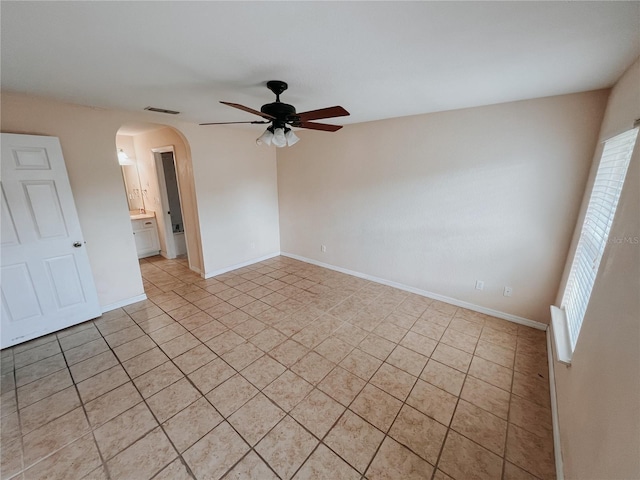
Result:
[{"x": 282, "y": 116}]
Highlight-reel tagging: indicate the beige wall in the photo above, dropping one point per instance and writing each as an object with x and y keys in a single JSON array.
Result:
[
  {"x": 438, "y": 201},
  {"x": 599, "y": 395},
  {"x": 226, "y": 163},
  {"x": 237, "y": 193}
]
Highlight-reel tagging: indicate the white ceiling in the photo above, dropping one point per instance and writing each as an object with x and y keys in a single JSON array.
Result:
[{"x": 376, "y": 59}]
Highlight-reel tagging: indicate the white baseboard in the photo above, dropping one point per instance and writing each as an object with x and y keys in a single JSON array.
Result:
[
  {"x": 557, "y": 447},
  {"x": 458, "y": 303},
  {"x": 123, "y": 303},
  {"x": 240, "y": 265}
]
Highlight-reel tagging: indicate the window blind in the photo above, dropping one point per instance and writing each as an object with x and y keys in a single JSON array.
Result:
[{"x": 596, "y": 227}]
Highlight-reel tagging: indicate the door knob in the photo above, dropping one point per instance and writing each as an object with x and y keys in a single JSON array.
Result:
[{"x": 77, "y": 244}]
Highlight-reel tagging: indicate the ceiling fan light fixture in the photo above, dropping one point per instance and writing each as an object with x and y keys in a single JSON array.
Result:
[
  {"x": 291, "y": 137},
  {"x": 266, "y": 138},
  {"x": 279, "y": 139}
]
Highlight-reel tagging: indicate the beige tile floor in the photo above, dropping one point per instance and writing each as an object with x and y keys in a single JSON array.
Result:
[{"x": 278, "y": 370}]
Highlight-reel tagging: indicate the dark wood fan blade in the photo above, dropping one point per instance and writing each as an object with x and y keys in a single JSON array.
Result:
[
  {"x": 319, "y": 126},
  {"x": 247, "y": 109},
  {"x": 329, "y": 112},
  {"x": 229, "y": 123}
]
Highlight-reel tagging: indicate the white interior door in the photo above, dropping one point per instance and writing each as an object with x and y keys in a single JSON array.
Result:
[{"x": 46, "y": 280}]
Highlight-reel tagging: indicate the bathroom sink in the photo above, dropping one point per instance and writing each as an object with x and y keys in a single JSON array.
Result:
[{"x": 140, "y": 216}]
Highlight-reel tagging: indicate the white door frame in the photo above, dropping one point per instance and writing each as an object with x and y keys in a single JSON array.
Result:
[{"x": 164, "y": 199}]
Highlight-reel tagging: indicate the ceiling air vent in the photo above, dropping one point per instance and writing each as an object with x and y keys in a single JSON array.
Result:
[{"x": 162, "y": 110}]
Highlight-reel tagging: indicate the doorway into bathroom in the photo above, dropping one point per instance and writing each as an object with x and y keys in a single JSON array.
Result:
[
  {"x": 169, "y": 190},
  {"x": 160, "y": 187}
]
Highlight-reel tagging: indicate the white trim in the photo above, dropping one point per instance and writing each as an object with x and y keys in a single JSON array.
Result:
[
  {"x": 564, "y": 352},
  {"x": 557, "y": 447},
  {"x": 240, "y": 265},
  {"x": 459, "y": 303},
  {"x": 165, "y": 149},
  {"x": 123, "y": 303}
]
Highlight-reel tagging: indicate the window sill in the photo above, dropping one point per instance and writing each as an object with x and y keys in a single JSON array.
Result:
[{"x": 564, "y": 352}]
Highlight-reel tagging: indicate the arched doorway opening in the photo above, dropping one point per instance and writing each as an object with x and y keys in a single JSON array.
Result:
[{"x": 158, "y": 178}]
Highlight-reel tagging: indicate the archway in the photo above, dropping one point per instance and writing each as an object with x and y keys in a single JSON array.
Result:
[{"x": 149, "y": 147}]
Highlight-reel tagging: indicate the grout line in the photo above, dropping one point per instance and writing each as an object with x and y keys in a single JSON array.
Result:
[
  {"x": 290, "y": 337},
  {"x": 19, "y": 415},
  {"x": 86, "y": 416},
  {"x": 506, "y": 437},
  {"x": 385, "y": 433},
  {"x": 225, "y": 419},
  {"x": 288, "y": 414},
  {"x": 159, "y": 424}
]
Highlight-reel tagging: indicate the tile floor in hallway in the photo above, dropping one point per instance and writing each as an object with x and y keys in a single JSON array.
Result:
[{"x": 278, "y": 370}]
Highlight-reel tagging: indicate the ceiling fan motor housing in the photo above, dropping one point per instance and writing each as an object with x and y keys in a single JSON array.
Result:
[{"x": 282, "y": 112}]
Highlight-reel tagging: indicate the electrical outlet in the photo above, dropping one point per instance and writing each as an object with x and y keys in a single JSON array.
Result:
[
  {"x": 507, "y": 291},
  {"x": 479, "y": 285},
  {"x": 253, "y": 245},
  {"x": 323, "y": 248}
]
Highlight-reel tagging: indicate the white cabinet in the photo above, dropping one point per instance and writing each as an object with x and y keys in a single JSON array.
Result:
[{"x": 145, "y": 232}]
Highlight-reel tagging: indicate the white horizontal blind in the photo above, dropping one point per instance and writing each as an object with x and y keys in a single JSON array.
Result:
[{"x": 595, "y": 230}]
